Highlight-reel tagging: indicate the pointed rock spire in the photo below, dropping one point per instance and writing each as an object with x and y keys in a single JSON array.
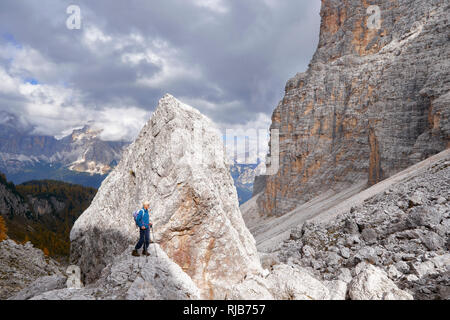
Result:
[{"x": 178, "y": 164}]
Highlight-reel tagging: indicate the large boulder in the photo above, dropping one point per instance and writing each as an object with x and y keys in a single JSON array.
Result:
[
  {"x": 129, "y": 278},
  {"x": 372, "y": 283},
  {"x": 177, "y": 163},
  {"x": 337, "y": 289},
  {"x": 40, "y": 286},
  {"x": 295, "y": 283},
  {"x": 284, "y": 282},
  {"x": 251, "y": 288}
]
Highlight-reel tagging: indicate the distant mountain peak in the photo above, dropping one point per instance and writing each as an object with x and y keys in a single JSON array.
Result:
[
  {"x": 88, "y": 132},
  {"x": 81, "y": 151}
]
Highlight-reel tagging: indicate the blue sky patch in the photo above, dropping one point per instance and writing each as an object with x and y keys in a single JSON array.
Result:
[
  {"x": 9, "y": 38},
  {"x": 32, "y": 81}
]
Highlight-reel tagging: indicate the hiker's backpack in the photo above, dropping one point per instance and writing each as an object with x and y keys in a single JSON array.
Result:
[{"x": 135, "y": 215}]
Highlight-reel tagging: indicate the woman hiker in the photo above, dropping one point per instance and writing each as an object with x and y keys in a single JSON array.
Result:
[{"x": 143, "y": 221}]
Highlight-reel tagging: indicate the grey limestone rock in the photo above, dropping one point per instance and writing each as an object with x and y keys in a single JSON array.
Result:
[
  {"x": 40, "y": 286},
  {"x": 178, "y": 164},
  {"x": 372, "y": 283},
  {"x": 372, "y": 103},
  {"x": 155, "y": 277},
  {"x": 410, "y": 244},
  {"x": 21, "y": 265}
]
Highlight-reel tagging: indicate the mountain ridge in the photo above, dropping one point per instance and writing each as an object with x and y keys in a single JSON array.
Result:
[{"x": 81, "y": 151}]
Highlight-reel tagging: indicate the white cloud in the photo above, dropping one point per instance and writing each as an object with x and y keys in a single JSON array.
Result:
[
  {"x": 171, "y": 71},
  {"x": 55, "y": 109},
  {"x": 8, "y": 84},
  {"x": 217, "y": 6},
  {"x": 26, "y": 62},
  {"x": 93, "y": 37},
  {"x": 63, "y": 108},
  {"x": 204, "y": 105},
  {"x": 120, "y": 63},
  {"x": 119, "y": 123},
  {"x": 157, "y": 52},
  {"x": 52, "y": 109},
  {"x": 134, "y": 58}
]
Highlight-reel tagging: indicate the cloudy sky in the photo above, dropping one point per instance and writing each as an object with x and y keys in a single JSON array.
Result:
[{"x": 229, "y": 59}]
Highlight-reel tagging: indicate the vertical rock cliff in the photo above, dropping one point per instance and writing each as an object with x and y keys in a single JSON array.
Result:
[
  {"x": 373, "y": 101},
  {"x": 178, "y": 164}
]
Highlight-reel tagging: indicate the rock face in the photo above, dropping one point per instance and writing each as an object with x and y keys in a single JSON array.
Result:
[
  {"x": 46, "y": 206},
  {"x": 20, "y": 265},
  {"x": 11, "y": 202},
  {"x": 259, "y": 184},
  {"x": 404, "y": 231},
  {"x": 178, "y": 164},
  {"x": 373, "y": 101}
]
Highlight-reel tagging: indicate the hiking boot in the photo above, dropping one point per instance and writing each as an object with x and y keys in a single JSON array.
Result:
[
  {"x": 135, "y": 253},
  {"x": 145, "y": 253}
]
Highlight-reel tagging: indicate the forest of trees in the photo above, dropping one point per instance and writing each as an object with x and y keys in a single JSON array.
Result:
[{"x": 49, "y": 232}]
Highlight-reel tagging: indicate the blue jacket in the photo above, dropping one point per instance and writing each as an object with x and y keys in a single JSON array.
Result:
[{"x": 143, "y": 218}]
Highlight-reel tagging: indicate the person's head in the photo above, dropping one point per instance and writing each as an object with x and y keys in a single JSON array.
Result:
[{"x": 146, "y": 205}]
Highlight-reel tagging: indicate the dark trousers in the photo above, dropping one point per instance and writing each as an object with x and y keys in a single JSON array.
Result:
[{"x": 144, "y": 239}]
